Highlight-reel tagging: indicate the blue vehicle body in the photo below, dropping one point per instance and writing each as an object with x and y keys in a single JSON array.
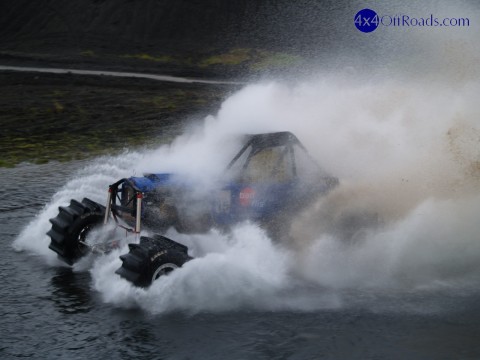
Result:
[
  {"x": 232, "y": 202},
  {"x": 262, "y": 181}
]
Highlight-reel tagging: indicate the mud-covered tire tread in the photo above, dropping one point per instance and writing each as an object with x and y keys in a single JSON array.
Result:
[
  {"x": 67, "y": 225},
  {"x": 67, "y": 212},
  {"x": 77, "y": 206},
  {"x": 137, "y": 265},
  {"x": 56, "y": 237},
  {"x": 59, "y": 224},
  {"x": 132, "y": 262}
]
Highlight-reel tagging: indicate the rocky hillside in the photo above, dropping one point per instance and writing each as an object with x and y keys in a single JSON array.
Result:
[{"x": 168, "y": 26}]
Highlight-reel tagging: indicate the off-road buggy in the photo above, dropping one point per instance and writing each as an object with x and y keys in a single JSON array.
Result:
[{"x": 271, "y": 177}]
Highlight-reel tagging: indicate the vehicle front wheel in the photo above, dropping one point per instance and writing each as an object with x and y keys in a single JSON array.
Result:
[{"x": 71, "y": 227}]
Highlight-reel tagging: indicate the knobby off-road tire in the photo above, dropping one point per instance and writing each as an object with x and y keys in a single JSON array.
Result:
[
  {"x": 150, "y": 259},
  {"x": 71, "y": 227}
]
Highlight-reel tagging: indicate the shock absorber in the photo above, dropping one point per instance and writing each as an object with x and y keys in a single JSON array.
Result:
[
  {"x": 139, "y": 212},
  {"x": 109, "y": 205}
]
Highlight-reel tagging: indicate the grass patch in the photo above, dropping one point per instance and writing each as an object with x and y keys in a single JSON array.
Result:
[
  {"x": 148, "y": 57},
  {"x": 233, "y": 57},
  {"x": 60, "y": 118},
  {"x": 58, "y": 107},
  {"x": 254, "y": 59},
  {"x": 175, "y": 99},
  {"x": 161, "y": 102},
  {"x": 88, "y": 53},
  {"x": 273, "y": 60}
]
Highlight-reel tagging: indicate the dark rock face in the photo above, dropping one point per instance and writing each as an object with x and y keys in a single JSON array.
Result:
[{"x": 169, "y": 26}]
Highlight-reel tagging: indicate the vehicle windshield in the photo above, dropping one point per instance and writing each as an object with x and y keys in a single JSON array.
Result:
[
  {"x": 269, "y": 164},
  {"x": 273, "y": 158}
]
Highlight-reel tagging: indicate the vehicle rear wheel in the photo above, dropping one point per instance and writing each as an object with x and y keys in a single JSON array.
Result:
[
  {"x": 166, "y": 263},
  {"x": 151, "y": 259},
  {"x": 163, "y": 269}
]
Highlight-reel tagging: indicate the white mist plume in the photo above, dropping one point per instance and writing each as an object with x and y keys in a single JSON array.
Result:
[
  {"x": 405, "y": 145},
  {"x": 411, "y": 158}
]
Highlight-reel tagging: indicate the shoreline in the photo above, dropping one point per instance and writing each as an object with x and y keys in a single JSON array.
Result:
[
  {"x": 64, "y": 116},
  {"x": 125, "y": 74}
]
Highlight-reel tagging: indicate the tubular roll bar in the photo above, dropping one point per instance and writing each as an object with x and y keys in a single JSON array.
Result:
[{"x": 113, "y": 207}]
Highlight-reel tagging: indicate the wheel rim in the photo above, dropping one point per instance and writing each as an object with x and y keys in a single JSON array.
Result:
[
  {"x": 82, "y": 237},
  {"x": 163, "y": 270}
]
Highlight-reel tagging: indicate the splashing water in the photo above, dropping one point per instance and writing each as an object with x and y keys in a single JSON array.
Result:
[
  {"x": 91, "y": 181},
  {"x": 411, "y": 159},
  {"x": 404, "y": 147}
]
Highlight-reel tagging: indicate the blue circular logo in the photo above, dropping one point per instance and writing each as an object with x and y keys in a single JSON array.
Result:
[{"x": 366, "y": 20}]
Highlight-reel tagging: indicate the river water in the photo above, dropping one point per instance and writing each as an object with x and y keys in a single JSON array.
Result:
[
  {"x": 403, "y": 143},
  {"x": 51, "y": 311}
]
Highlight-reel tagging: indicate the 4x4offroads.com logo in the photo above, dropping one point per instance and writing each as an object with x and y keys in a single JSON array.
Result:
[{"x": 367, "y": 20}]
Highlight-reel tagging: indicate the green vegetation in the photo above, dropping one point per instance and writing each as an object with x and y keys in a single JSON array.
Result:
[
  {"x": 60, "y": 117},
  {"x": 250, "y": 59},
  {"x": 175, "y": 99},
  {"x": 148, "y": 57},
  {"x": 88, "y": 53},
  {"x": 233, "y": 57},
  {"x": 255, "y": 59},
  {"x": 65, "y": 117},
  {"x": 271, "y": 60}
]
